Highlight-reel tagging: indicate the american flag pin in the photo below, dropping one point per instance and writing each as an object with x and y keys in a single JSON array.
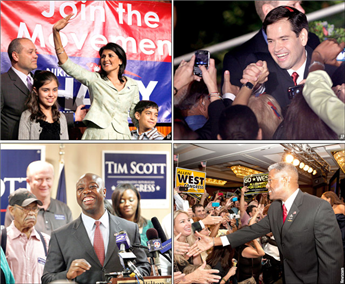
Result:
[{"x": 294, "y": 212}]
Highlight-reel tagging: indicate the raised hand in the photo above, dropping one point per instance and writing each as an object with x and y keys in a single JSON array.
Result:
[
  {"x": 180, "y": 247},
  {"x": 60, "y": 24},
  {"x": 227, "y": 86}
]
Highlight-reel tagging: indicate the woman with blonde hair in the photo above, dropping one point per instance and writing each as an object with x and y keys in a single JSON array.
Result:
[{"x": 183, "y": 227}]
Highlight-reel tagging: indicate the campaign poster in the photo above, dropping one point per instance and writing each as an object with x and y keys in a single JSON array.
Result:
[
  {"x": 14, "y": 161},
  {"x": 141, "y": 28},
  {"x": 256, "y": 183},
  {"x": 147, "y": 171},
  {"x": 193, "y": 181}
]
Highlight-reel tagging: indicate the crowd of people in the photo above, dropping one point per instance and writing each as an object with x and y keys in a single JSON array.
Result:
[
  {"x": 41, "y": 243},
  {"x": 272, "y": 85},
  {"x": 29, "y": 108},
  {"x": 281, "y": 235}
]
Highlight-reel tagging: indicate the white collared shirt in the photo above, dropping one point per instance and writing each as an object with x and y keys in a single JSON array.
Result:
[
  {"x": 300, "y": 71},
  {"x": 22, "y": 76},
  {"x": 90, "y": 227},
  {"x": 288, "y": 203}
]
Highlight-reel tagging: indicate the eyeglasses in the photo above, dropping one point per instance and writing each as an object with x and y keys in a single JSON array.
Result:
[{"x": 27, "y": 210}]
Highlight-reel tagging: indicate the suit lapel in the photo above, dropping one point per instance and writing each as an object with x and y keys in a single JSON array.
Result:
[
  {"x": 293, "y": 212},
  {"x": 309, "y": 53},
  {"x": 82, "y": 238},
  {"x": 114, "y": 227},
  {"x": 18, "y": 82}
]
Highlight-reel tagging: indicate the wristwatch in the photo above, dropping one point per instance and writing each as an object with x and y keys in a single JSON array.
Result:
[{"x": 249, "y": 85}]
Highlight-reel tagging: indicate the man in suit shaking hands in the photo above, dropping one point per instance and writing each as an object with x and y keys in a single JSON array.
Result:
[
  {"x": 16, "y": 84},
  {"x": 307, "y": 235},
  {"x": 84, "y": 250}
]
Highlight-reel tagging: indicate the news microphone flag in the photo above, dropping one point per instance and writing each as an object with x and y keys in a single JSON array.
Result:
[{"x": 61, "y": 189}]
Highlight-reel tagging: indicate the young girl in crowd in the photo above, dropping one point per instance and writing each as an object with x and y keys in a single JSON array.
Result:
[{"x": 42, "y": 119}]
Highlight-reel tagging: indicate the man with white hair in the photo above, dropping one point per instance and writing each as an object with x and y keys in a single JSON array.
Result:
[{"x": 53, "y": 213}]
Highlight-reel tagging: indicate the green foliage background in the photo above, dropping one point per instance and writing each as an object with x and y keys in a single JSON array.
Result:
[{"x": 200, "y": 24}]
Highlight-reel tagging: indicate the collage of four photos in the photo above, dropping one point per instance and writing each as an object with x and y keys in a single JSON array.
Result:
[{"x": 223, "y": 207}]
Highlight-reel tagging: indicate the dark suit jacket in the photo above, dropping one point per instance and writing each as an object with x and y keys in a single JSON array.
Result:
[
  {"x": 235, "y": 60},
  {"x": 14, "y": 94},
  {"x": 309, "y": 241},
  {"x": 72, "y": 242}
]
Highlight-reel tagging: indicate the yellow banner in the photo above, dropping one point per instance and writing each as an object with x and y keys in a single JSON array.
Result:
[{"x": 195, "y": 181}]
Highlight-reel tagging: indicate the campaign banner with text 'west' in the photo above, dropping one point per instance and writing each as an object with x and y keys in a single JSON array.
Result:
[{"x": 142, "y": 28}]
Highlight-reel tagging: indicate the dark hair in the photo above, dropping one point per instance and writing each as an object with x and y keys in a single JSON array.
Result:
[
  {"x": 297, "y": 19},
  {"x": 334, "y": 199},
  {"x": 142, "y": 105},
  {"x": 16, "y": 46},
  {"x": 238, "y": 122},
  {"x": 116, "y": 197},
  {"x": 120, "y": 53},
  {"x": 195, "y": 91},
  {"x": 221, "y": 254},
  {"x": 250, "y": 208},
  {"x": 41, "y": 78},
  {"x": 301, "y": 122},
  {"x": 195, "y": 206}
]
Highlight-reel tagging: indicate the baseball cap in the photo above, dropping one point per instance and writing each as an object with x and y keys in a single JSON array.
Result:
[{"x": 22, "y": 197}]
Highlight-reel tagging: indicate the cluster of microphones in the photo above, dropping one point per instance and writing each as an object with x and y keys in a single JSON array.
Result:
[{"x": 157, "y": 244}]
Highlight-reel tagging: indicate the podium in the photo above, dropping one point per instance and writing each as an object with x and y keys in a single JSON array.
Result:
[{"x": 147, "y": 279}]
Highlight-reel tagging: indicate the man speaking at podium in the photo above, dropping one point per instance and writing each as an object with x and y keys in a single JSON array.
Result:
[{"x": 85, "y": 249}]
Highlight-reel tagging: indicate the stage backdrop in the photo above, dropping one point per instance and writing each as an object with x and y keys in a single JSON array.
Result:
[
  {"x": 14, "y": 161},
  {"x": 142, "y": 28},
  {"x": 146, "y": 171}
]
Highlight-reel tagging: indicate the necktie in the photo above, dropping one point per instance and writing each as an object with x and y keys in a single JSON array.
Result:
[
  {"x": 98, "y": 243},
  {"x": 29, "y": 82},
  {"x": 294, "y": 77},
  {"x": 284, "y": 213}
]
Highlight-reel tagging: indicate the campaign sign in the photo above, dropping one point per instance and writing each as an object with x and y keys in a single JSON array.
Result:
[
  {"x": 142, "y": 28},
  {"x": 14, "y": 161},
  {"x": 256, "y": 183},
  {"x": 147, "y": 171},
  {"x": 194, "y": 180}
]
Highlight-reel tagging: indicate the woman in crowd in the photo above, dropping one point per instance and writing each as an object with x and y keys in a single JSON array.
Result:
[
  {"x": 221, "y": 258},
  {"x": 296, "y": 124},
  {"x": 42, "y": 119},
  {"x": 111, "y": 93},
  {"x": 126, "y": 204},
  {"x": 183, "y": 225},
  {"x": 339, "y": 211}
]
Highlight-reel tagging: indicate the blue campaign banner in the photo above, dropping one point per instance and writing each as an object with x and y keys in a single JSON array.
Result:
[
  {"x": 13, "y": 172},
  {"x": 146, "y": 171}
]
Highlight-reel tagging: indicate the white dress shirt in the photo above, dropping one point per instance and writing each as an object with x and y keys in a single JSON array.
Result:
[{"x": 90, "y": 227}]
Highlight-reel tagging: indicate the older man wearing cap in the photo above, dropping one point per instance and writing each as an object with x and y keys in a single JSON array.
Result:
[{"x": 25, "y": 248}]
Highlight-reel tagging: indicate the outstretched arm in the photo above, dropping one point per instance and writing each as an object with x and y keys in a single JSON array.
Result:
[{"x": 60, "y": 51}]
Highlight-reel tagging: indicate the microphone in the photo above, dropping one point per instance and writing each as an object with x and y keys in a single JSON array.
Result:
[
  {"x": 159, "y": 229},
  {"x": 154, "y": 245},
  {"x": 126, "y": 258},
  {"x": 161, "y": 234}
]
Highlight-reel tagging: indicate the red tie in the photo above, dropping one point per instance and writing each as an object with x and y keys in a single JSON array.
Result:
[
  {"x": 98, "y": 243},
  {"x": 294, "y": 77},
  {"x": 284, "y": 213}
]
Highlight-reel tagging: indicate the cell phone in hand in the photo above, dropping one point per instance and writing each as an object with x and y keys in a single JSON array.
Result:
[
  {"x": 202, "y": 57},
  {"x": 215, "y": 204},
  {"x": 293, "y": 91}
]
